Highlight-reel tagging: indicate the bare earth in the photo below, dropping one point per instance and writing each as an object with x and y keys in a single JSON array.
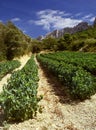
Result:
[
  {"x": 23, "y": 61},
  {"x": 59, "y": 112}
]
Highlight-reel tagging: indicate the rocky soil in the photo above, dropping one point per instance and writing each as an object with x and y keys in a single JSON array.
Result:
[
  {"x": 23, "y": 61},
  {"x": 59, "y": 112}
]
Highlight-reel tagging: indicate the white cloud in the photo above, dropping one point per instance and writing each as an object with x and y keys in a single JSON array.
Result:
[
  {"x": 54, "y": 19},
  {"x": 24, "y": 31},
  {"x": 51, "y": 13},
  {"x": 67, "y": 22},
  {"x": 0, "y": 20},
  {"x": 15, "y": 19},
  {"x": 78, "y": 14},
  {"x": 44, "y": 22},
  {"x": 92, "y": 19},
  {"x": 87, "y": 16}
]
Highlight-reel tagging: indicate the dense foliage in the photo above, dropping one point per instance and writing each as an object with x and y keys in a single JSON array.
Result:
[
  {"x": 81, "y": 41},
  {"x": 80, "y": 82},
  {"x": 7, "y": 67},
  {"x": 19, "y": 98},
  {"x": 85, "y": 60},
  {"x": 84, "y": 40},
  {"x": 13, "y": 42}
]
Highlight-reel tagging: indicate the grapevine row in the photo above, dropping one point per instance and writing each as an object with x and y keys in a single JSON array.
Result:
[
  {"x": 19, "y": 98},
  {"x": 7, "y": 67},
  {"x": 85, "y": 60},
  {"x": 81, "y": 83}
]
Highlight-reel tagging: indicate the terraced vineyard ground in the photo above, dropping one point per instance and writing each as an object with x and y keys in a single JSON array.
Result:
[{"x": 59, "y": 112}]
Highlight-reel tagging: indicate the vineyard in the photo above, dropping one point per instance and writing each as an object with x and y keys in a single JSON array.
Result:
[
  {"x": 7, "y": 67},
  {"x": 19, "y": 98},
  {"x": 74, "y": 69},
  {"x": 86, "y": 60}
]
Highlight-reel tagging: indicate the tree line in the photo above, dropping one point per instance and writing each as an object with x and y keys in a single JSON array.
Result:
[{"x": 13, "y": 42}]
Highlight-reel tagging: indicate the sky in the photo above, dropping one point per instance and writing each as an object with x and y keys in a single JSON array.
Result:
[{"x": 39, "y": 17}]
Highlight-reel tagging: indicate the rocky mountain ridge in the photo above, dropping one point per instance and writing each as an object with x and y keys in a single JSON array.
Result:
[{"x": 59, "y": 33}]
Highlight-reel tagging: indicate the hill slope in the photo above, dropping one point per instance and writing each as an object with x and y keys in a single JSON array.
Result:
[
  {"x": 13, "y": 42},
  {"x": 79, "y": 38}
]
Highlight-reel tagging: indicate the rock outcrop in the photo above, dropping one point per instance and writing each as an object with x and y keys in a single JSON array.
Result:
[
  {"x": 40, "y": 38},
  {"x": 59, "y": 33},
  {"x": 94, "y": 24}
]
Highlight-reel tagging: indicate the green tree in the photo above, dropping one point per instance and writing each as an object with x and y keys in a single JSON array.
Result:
[
  {"x": 67, "y": 38},
  {"x": 61, "y": 44},
  {"x": 15, "y": 44},
  {"x": 50, "y": 43}
]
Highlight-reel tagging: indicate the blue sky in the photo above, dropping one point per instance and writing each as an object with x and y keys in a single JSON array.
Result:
[{"x": 38, "y": 17}]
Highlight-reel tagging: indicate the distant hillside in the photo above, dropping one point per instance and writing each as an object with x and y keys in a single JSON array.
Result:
[
  {"x": 85, "y": 40},
  {"x": 59, "y": 33},
  {"x": 13, "y": 42},
  {"x": 79, "y": 38}
]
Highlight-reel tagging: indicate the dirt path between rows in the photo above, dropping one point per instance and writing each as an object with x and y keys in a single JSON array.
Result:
[
  {"x": 23, "y": 61},
  {"x": 59, "y": 112}
]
